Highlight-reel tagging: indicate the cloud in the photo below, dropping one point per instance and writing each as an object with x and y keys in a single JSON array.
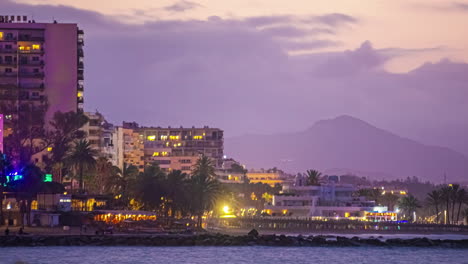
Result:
[
  {"x": 182, "y": 6},
  {"x": 293, "y": 31},
  {"x": 237, "y": 74},
  {"x": 335, "y": 19},
  {"x": 460, "y": 6}
]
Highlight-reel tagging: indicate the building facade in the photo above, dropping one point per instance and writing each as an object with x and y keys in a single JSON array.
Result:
[
  {"x": 41, "y": 67},
  {"x": 179, "y": 148},
  {"x": 325, "y": 200}
]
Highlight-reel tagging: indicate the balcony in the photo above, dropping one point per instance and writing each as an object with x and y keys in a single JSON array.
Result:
[
  {"x": 80, "y": 65},
  {"x": 30, "y": 38},
  {"x": 32, "y": 63},
  {"x": 38, "y": 51},
  {"x": 7, "y": 51},
  {"x": 8, "y": 63},
  {"x": 31, "y": 75},
  {"x": 8, "y": 74},
  {"x": 32, "y": 86},
  {"x": 8, "y": 39}
]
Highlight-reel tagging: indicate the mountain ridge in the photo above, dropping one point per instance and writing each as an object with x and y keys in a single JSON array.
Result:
[{"x": 350, "y": 143}]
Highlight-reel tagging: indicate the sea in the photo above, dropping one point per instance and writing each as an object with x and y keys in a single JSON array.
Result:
[{"x": 225, "y": 255}]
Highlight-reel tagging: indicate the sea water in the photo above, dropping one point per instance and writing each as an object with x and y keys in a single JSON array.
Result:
[{"x": 224, "y": 255}]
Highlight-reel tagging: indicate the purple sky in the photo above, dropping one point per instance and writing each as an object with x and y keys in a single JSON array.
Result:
[{"x": 269, "y": 68}]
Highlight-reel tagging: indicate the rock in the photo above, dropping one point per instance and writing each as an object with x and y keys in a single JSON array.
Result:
[{"x": 253, "y": 233}]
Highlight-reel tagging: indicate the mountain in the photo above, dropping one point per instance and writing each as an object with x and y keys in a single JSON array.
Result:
[{"x": 348, "y": 144}]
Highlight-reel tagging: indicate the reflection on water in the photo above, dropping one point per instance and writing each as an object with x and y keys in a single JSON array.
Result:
[{"x": 198, "y": 255}]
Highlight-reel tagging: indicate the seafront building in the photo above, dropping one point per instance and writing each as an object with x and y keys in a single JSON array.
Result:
[
  {"x": 179, "y": 148},
  {"x": 326, "y": 200},
  {"x": 270, "y": 177}
]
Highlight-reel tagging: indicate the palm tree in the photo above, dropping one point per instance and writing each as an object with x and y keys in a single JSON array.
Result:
[
  {"x": 435, "y": 199},
  {"x": 409, "y": 204},
  {"x": 175, "y": 186},
  {"x": 148, "y": 188},
  {"x": 124, "y": 181},
  {"x": 204, "y": 188},
  {"x": 389, "y": 200},
  {"x": 453, "y": 196},
  {"x": 461, "y": 198},
  {"x": 81, "y": 157},
  {"x": 446, "y": 195},
  {"x": 313, "y": 177}
]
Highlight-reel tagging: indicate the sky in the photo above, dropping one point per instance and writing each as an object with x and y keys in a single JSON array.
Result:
[{"x": 271, "y": 66}]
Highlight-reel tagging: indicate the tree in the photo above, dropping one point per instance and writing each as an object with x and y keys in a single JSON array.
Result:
[
  {"x": 204, "y": 188},
  {"x": 435, "y": 199},
  {"x": 409, "y": 204},
  {"x": 446, "y": 195},
  {"x": 124, "y": 183},
  {"x": 389, "y": 200},
  {"x": 5, "y": 168},
  {"x": 148, "y": 189},
  {"x": 81, "y": 157},
  {"x": 175, "y": 189},
  {"x": 65, "y": 129},
  {"x": 313, "y": 177},
  {"x": 102, "y": 178},
  {"x": 453, "y": 197},
  {"x": 27, "y": 188},
  {"x": 462, "y": 197}
]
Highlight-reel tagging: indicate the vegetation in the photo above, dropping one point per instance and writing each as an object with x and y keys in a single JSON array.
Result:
[
  {"x": 80, "y": 158},
  {"x": 313, "y": 177},
  {"x": 408, "y": 205}
]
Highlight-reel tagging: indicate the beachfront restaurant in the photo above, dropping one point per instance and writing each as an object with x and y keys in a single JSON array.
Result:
[{"x": 118, "y": 216}]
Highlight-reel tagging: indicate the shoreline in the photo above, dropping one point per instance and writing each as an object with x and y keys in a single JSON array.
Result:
[{"x": 210, "y": 239}]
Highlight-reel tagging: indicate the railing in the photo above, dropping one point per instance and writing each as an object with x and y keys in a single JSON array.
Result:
[
  {"x": 31, "y": 75},
  {"x": 32, "y": 63}
]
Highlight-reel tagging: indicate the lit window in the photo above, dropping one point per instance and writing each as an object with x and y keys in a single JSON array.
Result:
[
  {"x": 164, "y": 137},
  {"x": 197, "y": 137},
  {"x": 173, "y": 137},
  {"x": 80, "y": 94},
  {"x": 155, "y": 154},
  {"x": 164, "y": 153},
  {"x": 151, "y": 138},
  {"x": 1, "y": 35},
  {"x": 21, "y": 47},
  {"x": 49, "y": 149},
  {"x": 36, "y": 46}
]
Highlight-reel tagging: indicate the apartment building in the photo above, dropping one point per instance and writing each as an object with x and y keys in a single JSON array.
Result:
[
  {"x": 41, "y": 68},
  {"x": 179, "y": 148}
]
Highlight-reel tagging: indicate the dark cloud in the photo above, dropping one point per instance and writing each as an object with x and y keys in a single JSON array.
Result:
[
  {"x": 182, "y": 6},
  {"x": 335, "y": 19},
  {"x": 461, "y": 6}
]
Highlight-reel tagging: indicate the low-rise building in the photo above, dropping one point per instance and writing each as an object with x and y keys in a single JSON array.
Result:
[
  {"x": 326, "y": 200},
  {"x": 270, "y": 177}
]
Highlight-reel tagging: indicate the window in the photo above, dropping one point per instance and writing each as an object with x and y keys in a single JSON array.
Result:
[
  {"x": 8, "y": 58},
  {"x": 35, "y": 58},
  {"x": 1, "y": 35},
  {"x": 36, "y": 70},
  {"x": 8, "y": 46},
  {"x": 36, "y": 46},
  {"x": 8, "y": 70},
  {"x": 9, "y": 35}
]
